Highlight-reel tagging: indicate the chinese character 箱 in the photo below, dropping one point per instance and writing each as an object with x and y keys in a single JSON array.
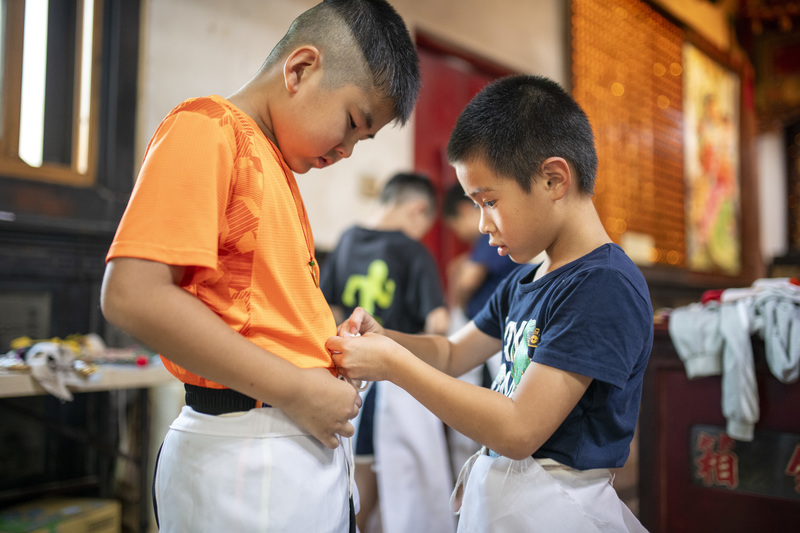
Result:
[
  {"x": 793, "y": 467},
  {"x": 717, "y": 464}
]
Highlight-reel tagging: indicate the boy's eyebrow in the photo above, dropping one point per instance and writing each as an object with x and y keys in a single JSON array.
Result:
[
  {"x": 479, "y": 190},
  {"x": 368, "y": 121}
]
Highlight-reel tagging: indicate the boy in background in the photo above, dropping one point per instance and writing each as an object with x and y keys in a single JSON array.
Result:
[
  {"x": 402, "y": 467},
  {"x": 385, "y": 268},
  {"x": 213, "y": 266},
  {"x": 576, "y": 329}
]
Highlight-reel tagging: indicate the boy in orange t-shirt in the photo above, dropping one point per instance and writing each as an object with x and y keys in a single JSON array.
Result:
[{"x": 213, "y": 266}]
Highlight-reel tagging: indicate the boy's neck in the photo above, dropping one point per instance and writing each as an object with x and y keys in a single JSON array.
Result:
[
  {"x": 252, "y": 100},
  {"x": 582, "y": 233},
  {"x": 389, "y": 220}
]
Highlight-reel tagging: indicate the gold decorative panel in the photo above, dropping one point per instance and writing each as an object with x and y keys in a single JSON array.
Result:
[{"x": 627, "y": 75}]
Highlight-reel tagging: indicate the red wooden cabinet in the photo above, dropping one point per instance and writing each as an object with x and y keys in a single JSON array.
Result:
[{"x": 692, "y": 477}]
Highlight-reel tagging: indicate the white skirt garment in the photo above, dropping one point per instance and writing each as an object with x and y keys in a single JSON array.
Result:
[
  {"x": 539, "y": 495},
  {"x": 250, "y": 472}
]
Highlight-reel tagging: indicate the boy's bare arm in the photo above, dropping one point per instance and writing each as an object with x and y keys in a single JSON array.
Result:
[
  {"x": 456, "y": 355},
  {"x": 144, "y": 299},
  {"x": 467, "y": 280},
  {"x": 514, "y": 427},
  {"x": 437, "y": 322}
]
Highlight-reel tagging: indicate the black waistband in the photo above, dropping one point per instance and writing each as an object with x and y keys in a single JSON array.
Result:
[{"x": 217, "y": 401}]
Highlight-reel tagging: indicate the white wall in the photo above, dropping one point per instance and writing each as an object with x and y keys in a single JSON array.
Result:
[
  {"x": 199, "y": 47},
  {"x": 772, "y": 195}
]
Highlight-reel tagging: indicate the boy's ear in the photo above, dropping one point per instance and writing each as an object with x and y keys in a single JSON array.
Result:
[
  {"x": 418, "y": 206},
  {"x": 557, "y": 176},
  {"x": 298, "y": 65},
  {"x": 421, "y": 208}
]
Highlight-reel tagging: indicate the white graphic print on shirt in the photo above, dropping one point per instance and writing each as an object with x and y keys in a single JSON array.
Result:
[{"x": 518, "y": 338}]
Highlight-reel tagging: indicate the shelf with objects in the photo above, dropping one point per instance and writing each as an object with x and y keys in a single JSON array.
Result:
[{"x": 76, "y": 421}]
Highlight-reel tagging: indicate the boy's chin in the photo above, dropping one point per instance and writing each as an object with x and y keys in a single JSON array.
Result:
[
  {"x": 300, "y": 167},
  {"x": 520, "y": 260}
]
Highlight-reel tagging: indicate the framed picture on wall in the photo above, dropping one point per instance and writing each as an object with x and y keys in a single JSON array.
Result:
[{"x": 711, "y": 164}]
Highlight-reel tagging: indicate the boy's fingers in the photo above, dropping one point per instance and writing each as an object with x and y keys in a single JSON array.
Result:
[
  {"x": 334, "y": 345},
  {"x": 356, "y": 320},
  {"x": 353, "y": 328},
  {"x": 338, "y": 360},
  {"x": 344, "y": 327}
]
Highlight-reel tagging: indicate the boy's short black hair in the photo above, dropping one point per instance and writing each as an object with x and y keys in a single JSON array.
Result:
[
  {"x": 360, "y": 36},
  {"x": 452, "y": 198},
  {"x": 405, "y": 186},
  {"x": 517, "y": 122}
]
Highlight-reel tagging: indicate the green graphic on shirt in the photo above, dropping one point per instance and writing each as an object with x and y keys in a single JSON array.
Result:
[
  {"x": 521, "y": 359},
  {"x": 374, "y": 289}
]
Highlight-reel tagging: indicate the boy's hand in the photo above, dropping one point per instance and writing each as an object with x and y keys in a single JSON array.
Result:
[
  {"x": 359, "y": 323},
  {"x": 324, "y": 406},
  {"x": 369, "y": 357}
]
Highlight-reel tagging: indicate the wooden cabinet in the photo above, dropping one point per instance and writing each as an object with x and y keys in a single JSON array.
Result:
[{"x": 692, "y": 477}]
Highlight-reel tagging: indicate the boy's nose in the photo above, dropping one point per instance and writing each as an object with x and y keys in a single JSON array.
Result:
[
  {"x": 483, "y": 224},
  {"x": 345, "y": 149}
]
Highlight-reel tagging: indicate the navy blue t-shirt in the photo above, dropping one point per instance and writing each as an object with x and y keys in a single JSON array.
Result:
[{"x": 593, "y": 317}]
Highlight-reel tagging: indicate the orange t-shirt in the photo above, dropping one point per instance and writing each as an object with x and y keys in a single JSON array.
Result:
[{"x": 216, "y": 196}]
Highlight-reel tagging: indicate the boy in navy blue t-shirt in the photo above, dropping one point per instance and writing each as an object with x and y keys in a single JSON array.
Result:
[{"x": 575, "y": 330}]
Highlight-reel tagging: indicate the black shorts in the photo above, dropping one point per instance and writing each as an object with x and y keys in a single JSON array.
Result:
[{"x": 365, "y": 443}]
